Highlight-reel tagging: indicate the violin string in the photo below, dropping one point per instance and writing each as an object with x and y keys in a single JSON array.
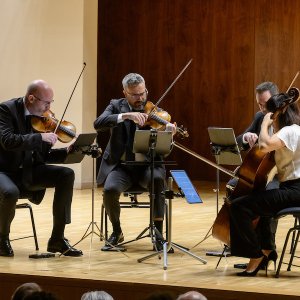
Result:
[
  {"x": 67, "y": 130},
  {"x": 159, "y": 119}
]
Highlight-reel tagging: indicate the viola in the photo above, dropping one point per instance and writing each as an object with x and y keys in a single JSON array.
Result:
[
  {"x": 65, "y": 131},
  {"x": 159, "y": 118}
]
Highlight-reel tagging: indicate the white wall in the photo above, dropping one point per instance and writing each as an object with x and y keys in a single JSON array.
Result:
[{"x": 50, "y": 39}]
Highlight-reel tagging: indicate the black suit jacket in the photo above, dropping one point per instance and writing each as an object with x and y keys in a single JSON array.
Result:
[
  {"x": 254, "y": 128},
  {"x": 120, "y": 135},
  {"x": 14, "y": 141}
]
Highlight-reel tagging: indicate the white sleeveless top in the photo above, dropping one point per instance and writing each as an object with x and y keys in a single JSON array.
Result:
[{"x": 288, "y": 158}]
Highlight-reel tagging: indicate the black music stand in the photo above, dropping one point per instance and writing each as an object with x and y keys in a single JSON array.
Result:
[
  {"x": 84, "y": 145},
  {"x": 226, "y": 152},
  {"x": 150, "y": 142},
  {"x": 158, "y": 142}
]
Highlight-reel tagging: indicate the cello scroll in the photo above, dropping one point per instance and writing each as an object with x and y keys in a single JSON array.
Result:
[{"x": 279, "y": 103}]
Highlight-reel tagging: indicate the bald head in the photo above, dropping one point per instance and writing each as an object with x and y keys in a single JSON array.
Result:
[
  {"x": 191, "y": 295},
  {"x": 37, "y": 87},
  {"x": 39, "y": 97}
]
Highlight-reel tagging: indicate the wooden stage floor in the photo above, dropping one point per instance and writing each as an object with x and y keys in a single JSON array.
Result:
[{"x": 122, "y": 276}]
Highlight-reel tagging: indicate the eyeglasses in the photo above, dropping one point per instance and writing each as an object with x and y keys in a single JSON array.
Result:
[
  {"x": 136, "y": 96},
  {"x": 47, "y": 102}
]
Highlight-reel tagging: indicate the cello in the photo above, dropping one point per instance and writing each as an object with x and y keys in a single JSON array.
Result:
[{"x": 252, "y": 174}]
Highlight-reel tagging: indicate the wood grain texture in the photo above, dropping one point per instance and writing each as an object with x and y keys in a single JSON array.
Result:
[{"x": 234, "y": 46}]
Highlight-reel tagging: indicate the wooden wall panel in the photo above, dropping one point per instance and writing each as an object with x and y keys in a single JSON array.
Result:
[
  {"x": 277, "y": 51},
  {"x": 234, "y": 46},
  {"x": 220, "y": 75}
]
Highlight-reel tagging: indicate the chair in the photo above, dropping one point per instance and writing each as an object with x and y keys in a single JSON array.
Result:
[
  {"x": 132, "y": 193},
  {"x": 295, "y": 229},
  {"x": 34, "y": 235}
]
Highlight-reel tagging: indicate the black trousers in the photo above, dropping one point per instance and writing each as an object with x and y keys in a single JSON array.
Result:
[
  {"x": 122, "y": 178},
  {"x": 266, "y": 226},
  {"x": 244, "y": 240},
  {"x": 43, "y": 176}
]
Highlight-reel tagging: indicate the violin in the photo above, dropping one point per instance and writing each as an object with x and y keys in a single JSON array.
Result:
[
  {"x": 159, "y": 118},
  {"x": 66, "y": 131}
]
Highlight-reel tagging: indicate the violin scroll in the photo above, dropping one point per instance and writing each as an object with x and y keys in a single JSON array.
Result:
[
  {"x": 182, "y": 132},
  {"x": 294, "y": 94}
]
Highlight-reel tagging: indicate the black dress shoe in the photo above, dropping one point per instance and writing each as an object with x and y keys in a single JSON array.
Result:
[
  {"x": 62, "y": 246},
  {"x": 261, "y": 266},
  {"x": 115, "y": 239},
  {"x": 5, "y": 248}
]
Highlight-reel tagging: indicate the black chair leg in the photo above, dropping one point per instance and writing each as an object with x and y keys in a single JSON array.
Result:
[
  {"x": 33, "y": 227},
  {"x": 222, "y": 255},
  {"x": 101, "y": 225},
  {"x": 27, "y": 205},
  {"x": 294, "y": 249},
  {"x": 105, "y": 225},
  {"x": 283, "y": 251},
  {"x": 293, "y": 235}
]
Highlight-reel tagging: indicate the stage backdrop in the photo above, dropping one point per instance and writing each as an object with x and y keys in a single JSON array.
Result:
[{"x": 234, "y": 46}]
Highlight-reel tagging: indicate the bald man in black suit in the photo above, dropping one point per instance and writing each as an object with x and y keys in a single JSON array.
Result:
[{"x": 24, "y": 155}]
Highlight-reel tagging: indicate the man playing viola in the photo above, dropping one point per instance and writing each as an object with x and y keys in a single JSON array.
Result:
[
  {"x": 123, "y": 116},
  {"x": 23, "y": 167}
]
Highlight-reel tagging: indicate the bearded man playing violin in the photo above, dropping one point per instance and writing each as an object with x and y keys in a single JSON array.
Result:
[
  {"x": 122, "y": 116},
  {"x": 24, "y": 172}
]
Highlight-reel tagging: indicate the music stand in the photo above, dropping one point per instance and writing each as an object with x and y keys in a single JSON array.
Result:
[
  {"x": 150, "y": 143},
  {"x": 225, "y": 149},
  {"x": 157, "y": 142},
  {"x": 226, "y": 152},
  {"x": 84, "y": 145}
]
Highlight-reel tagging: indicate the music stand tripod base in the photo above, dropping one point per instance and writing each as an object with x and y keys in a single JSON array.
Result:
[{"x": 167, "y": 246}]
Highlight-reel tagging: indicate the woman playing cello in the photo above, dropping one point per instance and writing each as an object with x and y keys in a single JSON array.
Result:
[{"x": 243, "y": 210}]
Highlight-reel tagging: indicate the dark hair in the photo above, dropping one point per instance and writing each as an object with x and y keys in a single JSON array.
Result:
[
  {"x": 267, "y": 86},
  {"x": 160, "y": 295},
  {"x": 24, "y": 290},
  {"x": 41, "y": 295},
  {"x": 290, "y": 116}
]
